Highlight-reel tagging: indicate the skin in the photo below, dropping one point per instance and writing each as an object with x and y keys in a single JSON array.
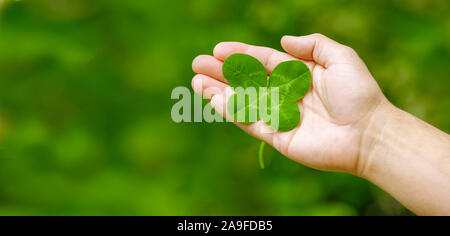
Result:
[{"x": 347, "y": 124}]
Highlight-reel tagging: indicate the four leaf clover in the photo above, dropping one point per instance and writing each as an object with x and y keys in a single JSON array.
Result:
[{"x": 290, "y": 81}]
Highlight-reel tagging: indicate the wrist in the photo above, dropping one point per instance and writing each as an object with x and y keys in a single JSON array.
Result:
[
  {"x": 407, "y": 158},
  {"x": 374, "y": 141}
]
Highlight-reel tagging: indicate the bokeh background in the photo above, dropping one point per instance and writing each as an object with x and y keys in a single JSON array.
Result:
[{"x": 85, "y": 125}]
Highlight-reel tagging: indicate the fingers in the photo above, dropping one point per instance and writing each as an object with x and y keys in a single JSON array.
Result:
[
  {"x": 319, "y": 48},
  {"x": 219, "y": 102},
  {"x": 210, "y": 66},
  {"x": 269, "y": 57},
  {"x": 211, "y": 84},
  {"x": 207, "y": 87}
]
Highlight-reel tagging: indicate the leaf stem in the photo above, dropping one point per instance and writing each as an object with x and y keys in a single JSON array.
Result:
[{"x": 261, "y": 155}]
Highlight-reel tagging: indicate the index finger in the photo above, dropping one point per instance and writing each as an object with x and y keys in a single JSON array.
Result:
[{"x": 269, "y": 57}]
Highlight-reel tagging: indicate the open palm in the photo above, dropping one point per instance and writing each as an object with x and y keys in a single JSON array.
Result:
[{"x": 335, "y": 112}]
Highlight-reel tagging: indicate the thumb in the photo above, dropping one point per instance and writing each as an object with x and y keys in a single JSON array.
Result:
[{"x": 318, "y": 48}]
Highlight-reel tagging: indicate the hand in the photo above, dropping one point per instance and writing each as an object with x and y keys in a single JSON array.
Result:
[
  {"x": 347, "y": 123},
  {"x": 335, "y": 112}
]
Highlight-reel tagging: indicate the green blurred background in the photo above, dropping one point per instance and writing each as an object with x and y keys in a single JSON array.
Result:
[{"x": 85, "y": 125}]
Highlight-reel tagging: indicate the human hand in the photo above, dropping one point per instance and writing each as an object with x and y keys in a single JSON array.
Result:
[
  {"x": 347, "y": 123},
  {"x": 335, "y": 112}
]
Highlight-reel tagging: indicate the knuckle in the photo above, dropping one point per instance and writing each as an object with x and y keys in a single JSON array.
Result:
[
  {"x": 348, "y": 51},
  {"x": 318, "y": 35}
]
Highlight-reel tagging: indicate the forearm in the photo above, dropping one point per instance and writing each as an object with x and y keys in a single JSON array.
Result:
[{"x": 409, "y": 159}]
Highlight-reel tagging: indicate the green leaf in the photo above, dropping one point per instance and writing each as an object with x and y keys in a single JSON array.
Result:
[
  {"x": 291, "y": 80},
  {"x": 288, "y": 119},
  {"x": 246, "y": 72}
]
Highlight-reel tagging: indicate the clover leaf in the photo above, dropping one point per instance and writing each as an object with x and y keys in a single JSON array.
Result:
[
  {"x": 244, "y": 72},
  {"x": 291, "y": 79}
]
